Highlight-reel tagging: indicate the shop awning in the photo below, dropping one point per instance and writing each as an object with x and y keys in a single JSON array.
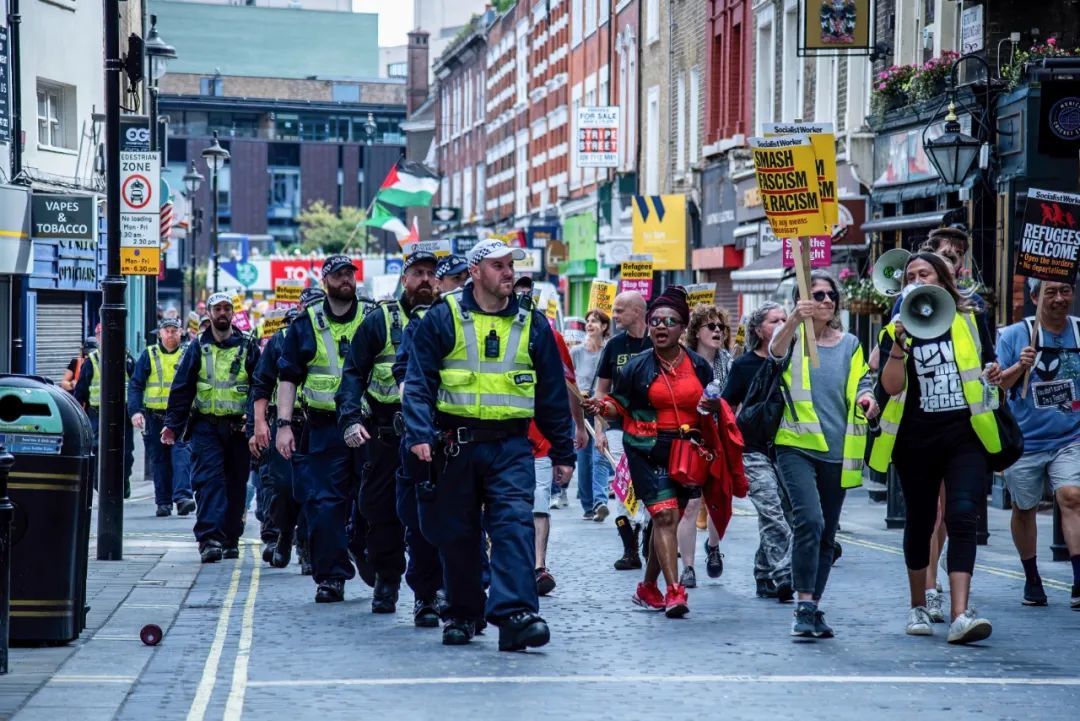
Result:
[
  {"x": 761, "y": 276},
  {"x": 904, "y": 222}
]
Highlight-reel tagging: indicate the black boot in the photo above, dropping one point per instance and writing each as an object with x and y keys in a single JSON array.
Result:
[
  {"x": 766, "y": 588},
  {"x": 424, "y": 613},
  {"x": 282, "y": 552},
  {"x": 232, "y": 551},
  {"x": 630, "y": 559},
  {"x": 268, "y": 551},
  {"x": 385, "y": 596},
  {"x": 210, "y": 551},
  {"x": 457, "y": 633},
  {"x": 163, "y": 509},
  {"x": 330, "y": 591},
  {"x": 304, "y": 557},
  {"x": 523, "y": 630}
]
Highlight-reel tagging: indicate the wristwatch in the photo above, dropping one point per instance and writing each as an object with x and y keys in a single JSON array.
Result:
[{"x": 283, "y": 423}]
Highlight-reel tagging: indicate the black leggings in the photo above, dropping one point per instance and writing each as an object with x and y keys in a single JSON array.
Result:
[{"x": 963, "y": 465}]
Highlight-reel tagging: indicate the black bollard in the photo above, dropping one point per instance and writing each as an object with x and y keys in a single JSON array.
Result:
[
  {"x": 1058, "y": 550},
  {"x": 895, "y": 508},
  {"x": 7, "y": 512}
]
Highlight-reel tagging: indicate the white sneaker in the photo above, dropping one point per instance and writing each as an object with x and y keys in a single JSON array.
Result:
[
  {"x": 919, "y": 622},
  {"x": 564, "y": 501},
  {"x": 554, "y": 505},
  {"x": 935, "y": 606},
  {"x": 969, "y": 628}
]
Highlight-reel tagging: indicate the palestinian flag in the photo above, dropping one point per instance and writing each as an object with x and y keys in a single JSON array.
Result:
[
  {"x": 407, "y": 184},
  {"x": 384, "y": 219}
]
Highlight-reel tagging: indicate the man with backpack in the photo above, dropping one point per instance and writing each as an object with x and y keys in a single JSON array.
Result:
[{"x": 1049, "y": 416}]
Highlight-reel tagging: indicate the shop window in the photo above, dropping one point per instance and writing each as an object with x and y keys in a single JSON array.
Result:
[{"x": 56, "y": 111}]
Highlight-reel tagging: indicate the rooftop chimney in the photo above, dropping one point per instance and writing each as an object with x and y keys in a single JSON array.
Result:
[{"x": 416, "y": 84}]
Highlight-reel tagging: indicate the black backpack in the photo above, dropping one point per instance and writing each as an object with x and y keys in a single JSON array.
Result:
[{"x": 763, "y": 407}]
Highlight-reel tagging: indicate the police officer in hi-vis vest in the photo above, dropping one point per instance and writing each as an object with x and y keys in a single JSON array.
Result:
[
  {"x": 148, "y": 397},
  {"x": 209, "y": 399},
  {"x": 368, "y": 375},
  {"x": 88, "y": 393},
  {"x": 482, "y": 367},
  {"x": 327, "y": 471}
]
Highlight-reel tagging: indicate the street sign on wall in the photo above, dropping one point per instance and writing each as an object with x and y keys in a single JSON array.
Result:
[
  {"x": 5, "y": 89},
  {"x": 597, "y": 137}
]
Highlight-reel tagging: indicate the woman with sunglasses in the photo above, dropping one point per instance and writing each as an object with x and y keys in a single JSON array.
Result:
[
  {"x": 657, "y": 395},
  {"x": 821, "y": 439},
  {"x": 707, "y": 334},
  {"x": 935, "y": 426},
  {"x": 772, "y": 562}
]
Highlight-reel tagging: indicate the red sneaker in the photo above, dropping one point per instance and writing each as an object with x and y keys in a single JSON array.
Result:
[
  {"x": 675, "y": 603},
  {"x": 648, "y": 596}
]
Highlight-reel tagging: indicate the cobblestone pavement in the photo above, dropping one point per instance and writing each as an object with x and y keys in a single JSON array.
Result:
[{"x": 246, "y": 641}]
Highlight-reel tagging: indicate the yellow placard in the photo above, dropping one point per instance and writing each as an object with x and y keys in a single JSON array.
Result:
[
  {"x": 660, "y": 230},
  {"x": 552, "y": 308},
  {"x": 602, "y": 295},
  {"x": 823, "y": 140},
  {"x": 636, "y": 270},
  {"x": 238, "y": 302},
  {"x": 140, "y": 261},
  {"x": 701, "y": 293},
  {"x": 287, "y": 293},
  {"x": 271, "y": 323},
  {"x": 193, "y": 322},
  {"x": 786, "y": 171}
]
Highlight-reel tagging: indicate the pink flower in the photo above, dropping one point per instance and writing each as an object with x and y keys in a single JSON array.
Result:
[
  {"x": 1052, "y": 42},
  {"x": 846, "y": 274}
]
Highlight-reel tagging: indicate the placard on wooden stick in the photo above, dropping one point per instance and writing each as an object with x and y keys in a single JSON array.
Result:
[{"x": 801, "y": 253}]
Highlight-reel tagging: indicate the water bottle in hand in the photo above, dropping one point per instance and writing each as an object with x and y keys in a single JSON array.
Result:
[
  {"x": 712, "y": 392},
  {"x": 991, "y": 398}
]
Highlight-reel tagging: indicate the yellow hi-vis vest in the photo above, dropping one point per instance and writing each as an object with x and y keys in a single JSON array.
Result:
[
  {"x": 382, "y": 387},
  {"x": 324, "y": 372},
  {"x": 473, "y": 385},
  {"x": 222, "y": 385},
  {"x": 95, "y": 382},
  {"x": 968, "y": 356},
  {"x": 800, "y": 426},
  {"x": 162, "y": 371}
]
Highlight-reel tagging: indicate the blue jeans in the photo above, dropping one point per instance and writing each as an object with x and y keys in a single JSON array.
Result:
[
  {"x": 172, "y": 464},
  {"x": 593, "y": 474}
]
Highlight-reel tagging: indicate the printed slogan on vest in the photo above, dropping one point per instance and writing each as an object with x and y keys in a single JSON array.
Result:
[
  {"x": 1050, "y": 241},
  {"x": 786, "y": 169}
]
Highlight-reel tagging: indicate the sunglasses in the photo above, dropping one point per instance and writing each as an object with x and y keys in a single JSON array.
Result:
[
  {"x": 667, "y": 322},
  {"x": 715, "y": 326},
  {"x": 821, "y": 295}
]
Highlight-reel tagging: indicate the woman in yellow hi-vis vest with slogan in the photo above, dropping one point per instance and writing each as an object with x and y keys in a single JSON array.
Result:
[
  {"x": 821, "y": 439},
  {"x": 937, "y": 425}
]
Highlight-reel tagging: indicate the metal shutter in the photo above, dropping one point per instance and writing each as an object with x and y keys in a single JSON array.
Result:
[{"x": 59, "y": 333}]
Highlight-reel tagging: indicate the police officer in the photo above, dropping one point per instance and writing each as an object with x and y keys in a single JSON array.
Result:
[
  {"x": 369, "y": 374},
  {"x": 148, "y": 397},
  {"x": 327, "y": 471},
  {"x": 214, "y": 374},
  {"x": 451, "y": 271},
  {"x": 482, "y": 366},
  {"x": 88, "y": 393}
]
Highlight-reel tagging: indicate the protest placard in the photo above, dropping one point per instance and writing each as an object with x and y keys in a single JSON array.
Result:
[
  {"x": 272, "y": 322},
  {"x": 636, "y": 276},
  {"x": 820, "y": 248},
  {"x": 786, "y": 170},
  {"x": 287, "y": 293},
  {"x": 700, "y": 293},
  {"x": 602, "y": 295},
  {"x": 823, "y": 140}
]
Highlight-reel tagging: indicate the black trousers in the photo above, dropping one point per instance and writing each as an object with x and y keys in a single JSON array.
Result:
[
  {"x": 963, "y": 464},
  {"x": 378, "y": 504}
]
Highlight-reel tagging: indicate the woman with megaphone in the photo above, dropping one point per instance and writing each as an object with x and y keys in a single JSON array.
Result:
[
  {"x": 937, "y": 424},
  {"x": 821, "y": 439}
]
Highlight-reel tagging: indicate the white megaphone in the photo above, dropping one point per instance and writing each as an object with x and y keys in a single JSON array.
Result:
[
  {"x": 927, "y": 311},
  {"x": 888, "y": 275}
]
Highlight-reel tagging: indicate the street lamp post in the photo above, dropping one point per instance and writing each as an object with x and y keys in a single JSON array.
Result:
[
  {"x": 193, "y": 180},
  {"x": 158, "y": 53},
  {"x": 953, "y": 153},
  {"x": 215, "y": 157}
]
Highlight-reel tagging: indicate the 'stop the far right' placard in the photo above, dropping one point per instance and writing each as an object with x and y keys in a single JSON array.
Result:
[{"x": 1050, "y": 241}]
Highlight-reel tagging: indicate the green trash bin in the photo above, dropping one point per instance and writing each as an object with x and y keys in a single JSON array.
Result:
[{"x": 50, "y": 486}]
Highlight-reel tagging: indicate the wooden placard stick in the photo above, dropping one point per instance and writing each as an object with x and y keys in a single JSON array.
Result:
[
  {"x": 1034, "y": 339},
  {"x": 801, "y": 255}
]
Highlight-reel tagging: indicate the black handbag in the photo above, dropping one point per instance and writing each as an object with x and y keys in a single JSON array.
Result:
[
  {"x": 1012, "y": 439},
  {"x": 762, "y": 409}
]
